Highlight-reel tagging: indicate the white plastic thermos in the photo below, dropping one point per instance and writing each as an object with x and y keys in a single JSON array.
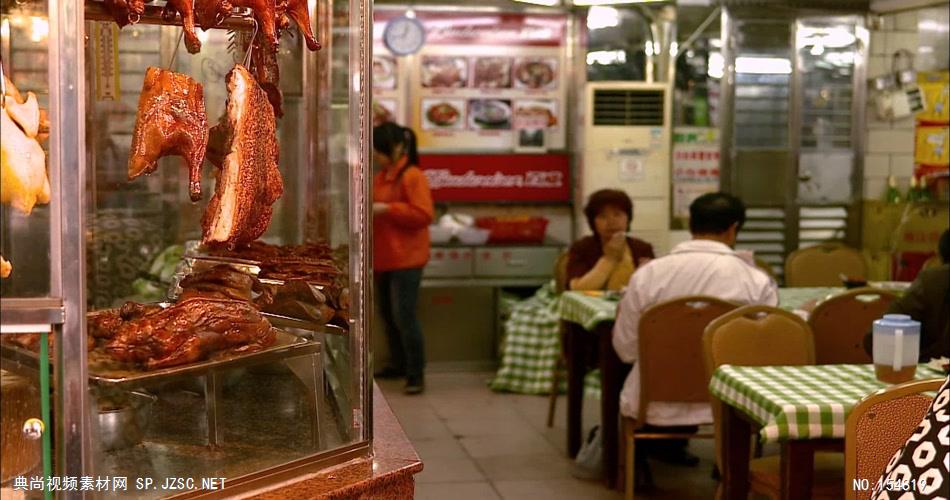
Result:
[{"x": 896, "y": 348}]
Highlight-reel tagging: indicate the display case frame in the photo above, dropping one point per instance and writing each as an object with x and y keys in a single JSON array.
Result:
[{"x": 63, "y": 312}]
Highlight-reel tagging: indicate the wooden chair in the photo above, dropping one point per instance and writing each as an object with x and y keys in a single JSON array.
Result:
[
  {"x": 766, "y": 336},
  {"x": 840, "y": 323},
  {"x": 671, "y": 365},
  {"x": 878, "y": 426},
  {"x": 933, "y": 261},
  {"x": 560, "y": 284},
  {"x": 821, "y": 265}
]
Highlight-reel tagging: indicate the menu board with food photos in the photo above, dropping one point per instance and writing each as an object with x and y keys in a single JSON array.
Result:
[{"x": 482, "y": 81}]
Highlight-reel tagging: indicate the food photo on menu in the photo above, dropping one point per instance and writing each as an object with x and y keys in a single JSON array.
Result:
[
  {"x": 444, "y": 72},
  {"x": 384, "y": 72},
  {"x": 489, "y": 114},
  {"x": 535, "y": 73},
  {"x": 443, "y": 114},
  {"x": 491, "y": 73},
  {"x": 535, "y": 114}
]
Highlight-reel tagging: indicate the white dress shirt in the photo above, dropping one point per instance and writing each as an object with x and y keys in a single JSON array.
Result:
[{"x": 697, "y": 267}]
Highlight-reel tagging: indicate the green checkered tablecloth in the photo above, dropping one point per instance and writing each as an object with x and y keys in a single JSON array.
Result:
[
  {"x": 799, "y": 402},
  {"x": 585, "y": 310},
  {"x": 791, "y": 299}
]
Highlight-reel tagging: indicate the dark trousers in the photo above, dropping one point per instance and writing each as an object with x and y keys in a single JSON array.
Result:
[{"x": 397, "y": 293}]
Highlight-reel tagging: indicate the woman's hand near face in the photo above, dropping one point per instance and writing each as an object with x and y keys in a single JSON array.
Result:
[
  {"x": 615, "y": 246},
  {"x": 380, "y": 207}
]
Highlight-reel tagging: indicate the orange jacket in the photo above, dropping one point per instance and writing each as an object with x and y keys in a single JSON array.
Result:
[{"x": 401, "y": 234}]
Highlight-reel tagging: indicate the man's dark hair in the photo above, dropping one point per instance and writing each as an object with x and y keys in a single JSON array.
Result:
[
  {"x": 943, "y": 248},
  {"x": 714, "y": 213},
  {"x": 599, "y": 200}
]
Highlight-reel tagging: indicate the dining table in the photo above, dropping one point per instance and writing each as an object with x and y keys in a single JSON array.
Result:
[
  {"x": 588, "y": 319},
  {"x": 803, "y": 408}
]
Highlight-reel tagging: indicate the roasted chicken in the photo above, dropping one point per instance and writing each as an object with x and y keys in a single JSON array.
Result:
[
  {"x": 248, "y": 181},
  {"x": 23, "y": 179},
  {"x": 185, "y": 8},
  {"x": 171, "y": 121},
  {"x": 190, "y": 331},
  {"x": 5, "y": 267}
]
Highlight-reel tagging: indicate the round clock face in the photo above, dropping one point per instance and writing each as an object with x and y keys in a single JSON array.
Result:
[{"x": 404, "y": 36}]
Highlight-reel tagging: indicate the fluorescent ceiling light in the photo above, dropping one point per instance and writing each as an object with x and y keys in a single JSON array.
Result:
[
  {"x": 763, "y": 65},
  {"x": 546, "y": 3},
  {"x": 613, "y": 2},
  {"x": 602, "y": 17},
  {"x": 606, "y": 57},
  {"x": 716, "y": 65}
]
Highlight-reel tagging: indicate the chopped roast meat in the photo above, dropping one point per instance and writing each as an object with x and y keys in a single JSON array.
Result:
[
  {"x": 221, "y": 281},
  {"x": 297, "y": 10},
  {"x": 171, "y": 121},
  {"x": 31, "y": 342},
  {"x": 104, "y": 324},
  {"x": 191, "y": 330},
  {"x": 248, "y": 181},
  {"x": 186, "y": 9}
]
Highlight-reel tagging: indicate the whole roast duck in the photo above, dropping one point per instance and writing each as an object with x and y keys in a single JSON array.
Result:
[
  {"x": 189, "y": 331},
  {"x": 171, "y": 120},
  {"x": 244, "y": 148}
]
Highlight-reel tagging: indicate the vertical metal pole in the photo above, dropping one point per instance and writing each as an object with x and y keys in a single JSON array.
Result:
[
  {"x": 44, "y": 409},
  {"x": 361, "y": 223},
  {"x": 795, "y": 100},
  {"x": 727, "y": 104},
  {"x": 858, "y": 110},
  {"x": 68, "y": 178}
]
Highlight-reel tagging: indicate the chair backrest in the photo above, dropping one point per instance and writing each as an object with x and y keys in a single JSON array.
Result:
[
  {"x": 933, "y": 261},
  {"x": 821, "y": 265},
  {"x": 560, "y": 272},
  {"x": 758, "y": 336},
  {"x": 755, "y": 336},
  {"x": 840, "y": 323},
  {"x": 878, "y": 426},
  {"x": 671, "y": 350}
]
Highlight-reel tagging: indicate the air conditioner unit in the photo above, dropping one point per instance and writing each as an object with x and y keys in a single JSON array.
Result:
[{"x": 627, "y": 144}]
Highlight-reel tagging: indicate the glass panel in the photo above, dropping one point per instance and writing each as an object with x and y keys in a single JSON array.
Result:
[
  {"x": 207, "y": 405},
  {"x": 699, "y": 68},
  {"x": 21, "y": 419},
  {"x": 25, "y": 211},
  {"x": 618, "y": 40}
]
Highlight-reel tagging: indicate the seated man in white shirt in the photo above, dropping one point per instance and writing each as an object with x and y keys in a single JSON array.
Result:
[{"x": 706, "y": 265}]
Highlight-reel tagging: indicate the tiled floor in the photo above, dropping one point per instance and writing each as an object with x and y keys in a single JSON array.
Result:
[{"x": 477, "y": 444}]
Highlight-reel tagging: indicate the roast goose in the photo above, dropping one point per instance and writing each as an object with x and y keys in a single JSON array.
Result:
[
  {"x": 171, "y": 120},
  {"x": 125, "y": 11},
  {"x": 190, "y": 331},
  {"x": 244, "y": 148}
]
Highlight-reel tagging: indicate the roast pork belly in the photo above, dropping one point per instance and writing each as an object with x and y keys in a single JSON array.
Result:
[
  {"x": 248, "y": 180},
  {"x": 190, "y": 331},
  {"x": 171, "y": 120},
  {"x": 221, "y": 281}
]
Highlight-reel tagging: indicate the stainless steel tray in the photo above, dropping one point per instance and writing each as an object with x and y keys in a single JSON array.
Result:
[{"x": 107, "y": 371}]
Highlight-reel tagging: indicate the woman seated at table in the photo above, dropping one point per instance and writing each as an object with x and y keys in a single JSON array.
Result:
[{"x": 606, "y": 259}]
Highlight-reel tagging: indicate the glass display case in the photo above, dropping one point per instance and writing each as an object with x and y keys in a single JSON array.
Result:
[{"x": 183, "y": 306}]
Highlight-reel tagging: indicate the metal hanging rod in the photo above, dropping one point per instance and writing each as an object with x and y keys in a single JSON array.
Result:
[{"x": 240, "y": 19}]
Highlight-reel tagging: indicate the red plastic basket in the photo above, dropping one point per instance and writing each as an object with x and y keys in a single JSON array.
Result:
[{"x": 514, "y": 229}]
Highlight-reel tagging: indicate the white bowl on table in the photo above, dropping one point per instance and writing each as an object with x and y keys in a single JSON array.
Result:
[
  {"x": 440, "y": 234},
  {"x": 473, "y": 236}
]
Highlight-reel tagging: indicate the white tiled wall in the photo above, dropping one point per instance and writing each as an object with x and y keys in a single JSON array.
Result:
[{"x": 889, "y": 145}]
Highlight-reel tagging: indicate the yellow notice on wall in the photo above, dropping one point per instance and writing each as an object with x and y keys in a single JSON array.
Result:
[
  {"x": 932, "y": 146},
  {"x": 935, "y": 86}
]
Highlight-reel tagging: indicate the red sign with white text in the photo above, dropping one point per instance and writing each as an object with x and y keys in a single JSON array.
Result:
[
  {"x": 498, "y": 178},
  {"x": 471, "y": 28}
]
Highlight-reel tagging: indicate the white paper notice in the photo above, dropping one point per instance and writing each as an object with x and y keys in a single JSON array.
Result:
[{"x": 632, "y": 169}]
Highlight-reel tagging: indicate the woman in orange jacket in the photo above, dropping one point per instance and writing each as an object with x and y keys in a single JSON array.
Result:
[{"x": 402, "y": 212}]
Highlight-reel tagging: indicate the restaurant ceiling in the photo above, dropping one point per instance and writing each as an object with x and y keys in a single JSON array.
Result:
[{"x": 848, "y": 5}]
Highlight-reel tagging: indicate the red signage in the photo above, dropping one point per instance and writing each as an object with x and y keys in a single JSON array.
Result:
[
  {"x": 477, "y": 28},
  {"x": 494, "y": 178}
]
